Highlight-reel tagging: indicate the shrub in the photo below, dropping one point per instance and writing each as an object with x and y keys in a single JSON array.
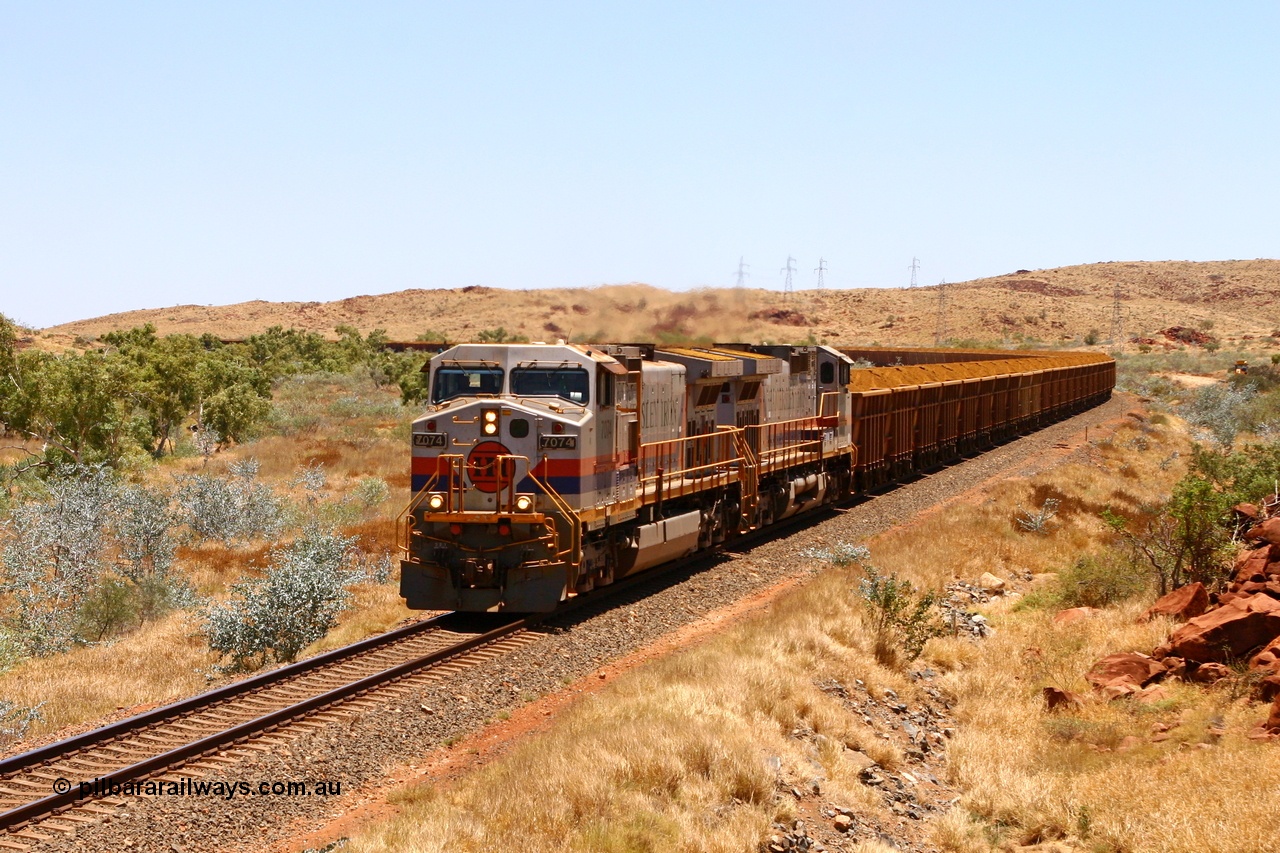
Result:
[
  {"x": 1218, "y": 411},
  {"x": 901, "y": 619},
  {"x": 294, "y": 604},
  {"x": 1100, "y": 581},
  {"x": 842, "y": 554},
  {"x": 16, "y": 719},
  {"x": 370, "y": 491},
  {"x": 1037, "y": 522},
  {"x": 55, "y": 556},
  {"x": 230, "y": 510},
  {"x": 1183, "y": 541}
]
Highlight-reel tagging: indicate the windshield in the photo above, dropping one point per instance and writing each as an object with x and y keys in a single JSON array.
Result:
[
  {"x": 450, "y": 382},
  {"x": 569, "y": 383}
]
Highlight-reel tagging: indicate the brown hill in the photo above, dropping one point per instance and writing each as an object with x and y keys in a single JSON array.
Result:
[{"x": 1237, "y": 300}]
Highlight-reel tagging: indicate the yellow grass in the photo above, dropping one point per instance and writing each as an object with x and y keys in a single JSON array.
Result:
[
  {"x": 161, "y": 661},
  {"x": 675, "y": 755}
]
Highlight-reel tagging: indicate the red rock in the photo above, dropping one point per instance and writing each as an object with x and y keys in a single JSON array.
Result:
[
  {"x": 1272, "y": 724},
  {"x": 1113, "y": 692},
  {"x": 1151, "y": 695},
  {"x": 1174, "y": 667},
  {"x": 1246, "y": 510},
  {"x": 1128, "y": 743},
  {"x": 1234, "y": 630},
  {"x": 1075, "y": 614},
  {"x": 1124, "y": 670},
  {"x": 1267, "y": 660},
  {"x": 1267, "y": 531},
  {"x": 1250, "y": 563},
  {"x": 1056, "y": 698},
  {"x": 1209, "y": 673},
  {"x": 1185, "y": 602},
  {"x": 1267, "y": 688}
]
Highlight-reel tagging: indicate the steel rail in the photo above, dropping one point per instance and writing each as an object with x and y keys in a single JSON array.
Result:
[
  {"x": 182, "y": 754},
  {"x": 63, "y": 748}
]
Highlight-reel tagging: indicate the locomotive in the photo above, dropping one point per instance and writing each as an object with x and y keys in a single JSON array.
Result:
[{"x": 541, "y": 471}]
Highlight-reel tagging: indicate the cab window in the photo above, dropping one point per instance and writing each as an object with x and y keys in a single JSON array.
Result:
[
  {"x": 450, "y": 382},
  {"x": 568, "y": 383}
]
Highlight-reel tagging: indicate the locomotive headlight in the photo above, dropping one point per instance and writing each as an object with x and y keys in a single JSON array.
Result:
[
  {"x": 435, "y": 501},
  {"x": 490, "y": 422},
  {"x": 524, "y": 503}
]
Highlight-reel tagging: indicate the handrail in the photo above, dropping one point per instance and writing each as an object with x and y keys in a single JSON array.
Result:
[
  {"x": 406, "y": 516},
  {"x": 748, "y": 476},
  {"x": 575, "y": 521},
  {"x": 671, "y": 465}
]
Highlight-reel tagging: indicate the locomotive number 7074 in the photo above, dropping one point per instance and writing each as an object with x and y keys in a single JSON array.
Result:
[
  {"x": 430, "y": 439},
  {"x": 557, "y": 442}
]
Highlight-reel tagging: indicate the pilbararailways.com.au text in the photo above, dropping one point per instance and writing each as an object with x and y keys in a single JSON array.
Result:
[{"x": 187, "y": 787}]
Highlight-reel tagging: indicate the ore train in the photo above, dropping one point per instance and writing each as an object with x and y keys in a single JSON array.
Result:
[{"x": 542, "y": 471}]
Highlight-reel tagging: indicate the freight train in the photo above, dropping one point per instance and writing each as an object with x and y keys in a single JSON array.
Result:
[{"x": 541, "y": 471}]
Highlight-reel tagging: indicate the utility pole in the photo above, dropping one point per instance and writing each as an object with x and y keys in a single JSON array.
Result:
[
  {"x": 941, "y": 334},
  {"x": 1117, "y": 318},
  {"x": 743, "y": 275},
  {"x": 821, "y": 270},
  {"x": 915, "y": 265},
  {"x": 788, "y": 269}
]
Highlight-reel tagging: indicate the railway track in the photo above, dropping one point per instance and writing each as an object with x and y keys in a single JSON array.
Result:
[
  {"x": 217, "y": 727},
  {"x": 41, "y": 792}
]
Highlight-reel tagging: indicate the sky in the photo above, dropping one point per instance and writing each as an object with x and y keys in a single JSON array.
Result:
[{"x": 155, "y": 154}]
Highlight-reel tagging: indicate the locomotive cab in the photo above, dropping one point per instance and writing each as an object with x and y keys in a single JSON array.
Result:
[{"x": 505, "y": 457}]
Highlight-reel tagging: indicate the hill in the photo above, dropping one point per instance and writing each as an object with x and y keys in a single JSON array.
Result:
[{"x": 1238, "y": 300}]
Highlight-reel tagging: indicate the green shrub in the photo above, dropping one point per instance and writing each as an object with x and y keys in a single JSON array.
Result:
[
  {"x": 1102, "y": 580},
  {"x": 902, "y": 619}
]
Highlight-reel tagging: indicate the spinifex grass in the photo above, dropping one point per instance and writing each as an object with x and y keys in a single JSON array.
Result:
[{"x": 677, "y": 755}]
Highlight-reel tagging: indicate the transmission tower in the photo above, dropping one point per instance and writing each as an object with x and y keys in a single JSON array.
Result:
[
  {"x": 941, "y": 334},
  {"x": 915, "y": 265},
  {"x": 743, "y": 275},
  {"x": 821, "y": 271},
  {"x": 1117, "y": 318},
  {"x": 789, "y": 269}
]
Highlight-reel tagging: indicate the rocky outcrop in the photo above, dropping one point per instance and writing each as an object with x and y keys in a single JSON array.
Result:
[
  {"x": 1231, "y": 631},
  {"x": 1268, "y": 660},
  {"x": 1184, "y": 603},
  {"x": 1056, "y": 699},
  {"x": 1123, "y": 673}
]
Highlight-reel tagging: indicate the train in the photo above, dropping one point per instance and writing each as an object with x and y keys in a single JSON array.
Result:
[{"x": 542, "y": 471}]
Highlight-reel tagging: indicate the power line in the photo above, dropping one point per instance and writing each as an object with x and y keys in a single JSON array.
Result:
[
  {"x": 941, "y": 333},
  {"x": 788, "y": 269},
  {"x": 743, "y": 275},
  {"x": 821, "y": 271},
  {"x": 915, "y": 265},
  {"x": 1117, "y": 317}
]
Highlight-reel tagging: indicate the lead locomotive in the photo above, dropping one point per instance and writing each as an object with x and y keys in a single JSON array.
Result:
[{"x": 541, "y": 471}]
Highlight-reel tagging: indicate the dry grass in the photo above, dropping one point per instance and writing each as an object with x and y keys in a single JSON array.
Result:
[
  {"x": 676, "y": 755},
  {"x": 684, "y": 754},
  {"x": 163, "y": 660}
]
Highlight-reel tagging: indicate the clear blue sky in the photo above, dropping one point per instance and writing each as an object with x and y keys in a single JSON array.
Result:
[{"x": 165, "y": 153}]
